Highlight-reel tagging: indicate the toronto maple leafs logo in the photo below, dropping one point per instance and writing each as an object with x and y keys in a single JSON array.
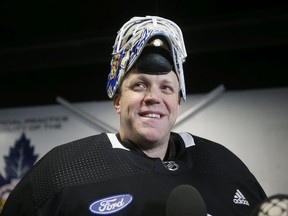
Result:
[{"x": 20, "y": 160}]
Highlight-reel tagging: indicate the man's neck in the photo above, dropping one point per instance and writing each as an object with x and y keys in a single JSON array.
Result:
[
  {"x": 157, "y": 152},
  {"x": 153, "y": 150}
]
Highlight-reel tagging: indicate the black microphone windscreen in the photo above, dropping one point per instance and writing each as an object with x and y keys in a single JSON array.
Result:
[{"x": 185, "y": 200}]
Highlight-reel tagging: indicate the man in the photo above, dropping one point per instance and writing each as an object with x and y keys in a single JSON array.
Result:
[{"x": 134, "y": 171}]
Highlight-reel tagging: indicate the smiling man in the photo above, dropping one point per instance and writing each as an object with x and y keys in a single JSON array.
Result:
[
  {"x": 148, "y": 106},
  {"x": 146, "y": 169}
]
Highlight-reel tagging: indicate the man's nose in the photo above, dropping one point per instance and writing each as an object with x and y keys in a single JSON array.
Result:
[{"x": 152, "y": 96}]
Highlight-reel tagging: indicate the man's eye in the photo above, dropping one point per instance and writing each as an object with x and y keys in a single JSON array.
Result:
[
  {"x": 139, "y": 86},
  {"x": 167, "y": 88}
]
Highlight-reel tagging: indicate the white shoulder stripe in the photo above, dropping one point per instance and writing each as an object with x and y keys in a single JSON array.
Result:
[
  {"x": 115, "y": 142},
  {"x": 187, "y": 138}
]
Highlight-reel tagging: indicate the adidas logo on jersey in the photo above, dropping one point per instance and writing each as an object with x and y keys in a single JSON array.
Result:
[{"x": 240, "y": 199}]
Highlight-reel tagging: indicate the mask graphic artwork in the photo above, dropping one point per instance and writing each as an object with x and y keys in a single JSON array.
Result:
[{"x": 131, "y": 40}]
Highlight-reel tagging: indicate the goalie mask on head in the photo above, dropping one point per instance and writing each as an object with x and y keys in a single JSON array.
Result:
[{"x": 152, "y": 44}]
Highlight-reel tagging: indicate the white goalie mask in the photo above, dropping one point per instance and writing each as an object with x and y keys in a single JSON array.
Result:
[{"x": 131, "y": 40}]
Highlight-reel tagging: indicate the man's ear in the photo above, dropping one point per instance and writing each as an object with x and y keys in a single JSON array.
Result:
[
  {"x": 179, "y": 105},
  {"x": 116, "y": 102}
]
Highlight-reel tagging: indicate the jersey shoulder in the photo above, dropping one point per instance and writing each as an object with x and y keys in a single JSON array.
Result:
[
  {"x": 211, "y": 156},
  {"x": 84, "y": 161}
]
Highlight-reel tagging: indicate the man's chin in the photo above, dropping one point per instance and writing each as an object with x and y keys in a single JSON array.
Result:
[{"x": 151, "y": 135}]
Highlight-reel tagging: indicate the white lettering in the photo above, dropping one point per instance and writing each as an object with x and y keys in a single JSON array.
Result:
[
  {"x": 110, "y": 204},
  {"x": 241, "y": 201}
]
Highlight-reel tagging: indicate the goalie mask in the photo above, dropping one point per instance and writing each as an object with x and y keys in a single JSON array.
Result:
[{"x": 151, "y": 44}]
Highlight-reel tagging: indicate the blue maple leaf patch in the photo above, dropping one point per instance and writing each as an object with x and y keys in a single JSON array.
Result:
[{"x": 20, "y": 160}]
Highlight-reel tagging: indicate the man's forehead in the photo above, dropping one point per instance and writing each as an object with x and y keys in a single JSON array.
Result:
[{"x": 136, "y": 74}]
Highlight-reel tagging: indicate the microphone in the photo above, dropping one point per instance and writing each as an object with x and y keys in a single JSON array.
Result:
[
  {"x": 185, "y": 200},
  {"x": 276, "y": 205}
]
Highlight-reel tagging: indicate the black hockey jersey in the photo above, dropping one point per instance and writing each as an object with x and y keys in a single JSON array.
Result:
[{"x": 100, "y": 175}]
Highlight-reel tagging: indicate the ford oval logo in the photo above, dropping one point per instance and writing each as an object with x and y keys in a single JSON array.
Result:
[{"x": 112, "y": 204}]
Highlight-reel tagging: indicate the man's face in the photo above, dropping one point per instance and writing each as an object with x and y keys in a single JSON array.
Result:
[{"x": 148, "y": 105}]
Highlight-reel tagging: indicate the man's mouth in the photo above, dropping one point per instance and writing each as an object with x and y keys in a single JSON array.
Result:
[{"x": 151, "y": 115}]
